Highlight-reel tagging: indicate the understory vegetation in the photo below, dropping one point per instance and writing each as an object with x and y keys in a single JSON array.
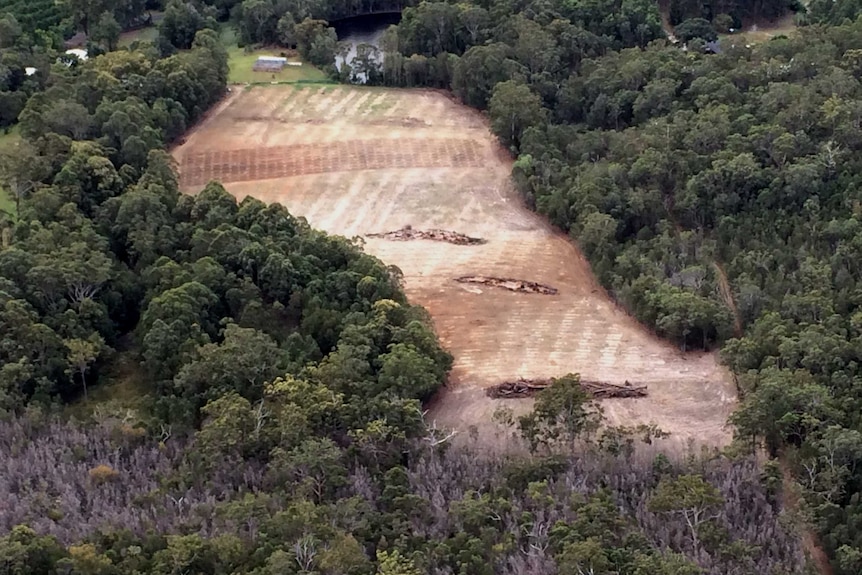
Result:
[
  {"x": 105, "y": 499},
  {"x": 281, "y": 428}
]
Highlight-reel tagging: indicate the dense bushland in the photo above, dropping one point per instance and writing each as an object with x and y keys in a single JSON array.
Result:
[
  {"x": 120, "y": 501},
  {"x": 33, "y": 14},
  {"x": 285, "y": 369}
]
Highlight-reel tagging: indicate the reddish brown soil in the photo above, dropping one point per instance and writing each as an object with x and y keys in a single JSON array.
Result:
[
  {"x": 287, "y": 161},
  {"x": 432, "y": 164}
]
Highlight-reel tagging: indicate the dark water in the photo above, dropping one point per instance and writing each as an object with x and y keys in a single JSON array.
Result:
[{"x": 363, "y": 30}]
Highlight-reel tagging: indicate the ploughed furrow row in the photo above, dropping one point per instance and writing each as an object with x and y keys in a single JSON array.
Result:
[{"x": 266, "y": 163}]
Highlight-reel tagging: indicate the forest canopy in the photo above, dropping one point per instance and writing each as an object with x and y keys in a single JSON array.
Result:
[{"x": 282, "y": 426}]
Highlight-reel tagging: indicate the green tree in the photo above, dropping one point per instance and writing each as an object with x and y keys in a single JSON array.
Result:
[
  {"x": 259, "y": 21},
  {"x": 11, "y": 106},
  {"x": 321, "y": 410},
  {"x": 227, "y": 428},
  {"x": 665, "y": 564},
  {"x": 587, "y": 556},
  {"x": 563, "y": 412},
  {"x": 781, "y": 407},
  {"x": 21, "y": 170},
  {"x": 478, "y": 71},
  {"x": 286, "y": 30},
  {"x": 106, "y": 31},
  {"x": 393, "y": 563},
  {"x": 68, "y": 118},
  {"x": 243, "y": 362},
  {"x": 85, "y": 13},
  {"x": 316, "y": 42},
  {"x": 514, "y": 108},
  {"x": 182, "y": 20},
  {"x": 86, "y": 560},
  {"x": 10, "y": 31},
  {"x": 722, "y": 23},
  {"x": 184, "y": 553},
  {"x": 406, "y": 372},
  {"x": 82, "y": 353},
  {"x": 833, "y": 463},
  {"x": 24, "y": 551},
  {"x": 315, "y": 466},
  {"x": 344, "y": 555},
  {"x": 695, "y": 28},
  {"x": 691, "y": 498}
]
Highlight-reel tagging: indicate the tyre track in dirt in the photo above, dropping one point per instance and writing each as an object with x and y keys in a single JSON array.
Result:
[{"x": 493, "y": 334}]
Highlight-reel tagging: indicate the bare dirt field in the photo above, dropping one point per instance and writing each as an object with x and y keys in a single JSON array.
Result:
[{"x": 362, "y": 161}]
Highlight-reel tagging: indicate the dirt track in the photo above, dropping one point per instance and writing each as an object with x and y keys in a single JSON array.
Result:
[{"x": 358, "y": 161}]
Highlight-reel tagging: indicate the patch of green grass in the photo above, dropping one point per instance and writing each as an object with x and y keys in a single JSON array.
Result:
[
  {"x": 785, "y": 26},
  {"x": 241, "y": 62},
  {"x": 373, "y": 105},
  {"x": 122, "y": 388},
  {"x": 9, "y": 138},
  {"x": 148, "y": 34},
  {"x": 380, "y": 108},
  {"x": 227, "y": 35},
  {"x": 7, "y": 202}
]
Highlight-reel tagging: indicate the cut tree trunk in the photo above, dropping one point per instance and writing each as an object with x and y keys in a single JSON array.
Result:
[{"x": 597, "y": 389}]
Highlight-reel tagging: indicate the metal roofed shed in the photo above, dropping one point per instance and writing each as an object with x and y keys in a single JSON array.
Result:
[{"x": 269, "y": 64}]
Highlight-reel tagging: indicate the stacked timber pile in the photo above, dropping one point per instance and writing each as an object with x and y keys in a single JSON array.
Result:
[
  {"x": 598, "y": 389},
  {"x": 408, "y": 233},
  {"x": 522, "y": 286}
]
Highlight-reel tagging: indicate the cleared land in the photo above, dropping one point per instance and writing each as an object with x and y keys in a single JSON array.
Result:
[
  {"x": 147, "y": 34},
  {"x": 763, "y": 31},
  {"x": 363, "y": 161}
]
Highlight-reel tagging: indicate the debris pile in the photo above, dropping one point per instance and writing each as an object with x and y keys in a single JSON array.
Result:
[
  {"x": 597, "y": 389},
  {"x": 522, "y": 286},
  {"x": 408, "y": 233}
]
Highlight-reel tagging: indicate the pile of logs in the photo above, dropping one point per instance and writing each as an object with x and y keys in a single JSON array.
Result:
[
  {"x": 408, "y": 233},
  {"x": 597, "y": 389},
  {"x": 522, "y": 286}
]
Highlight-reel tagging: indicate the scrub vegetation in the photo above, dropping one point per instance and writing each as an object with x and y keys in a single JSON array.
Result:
[{"x": 279, "y": 420}]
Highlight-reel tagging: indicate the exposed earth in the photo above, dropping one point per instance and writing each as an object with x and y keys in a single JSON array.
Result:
[{"x": 362, "y": 161}]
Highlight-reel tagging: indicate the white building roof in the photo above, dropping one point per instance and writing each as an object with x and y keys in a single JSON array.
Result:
[{"x": 81, "y": 54}]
